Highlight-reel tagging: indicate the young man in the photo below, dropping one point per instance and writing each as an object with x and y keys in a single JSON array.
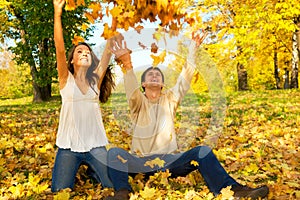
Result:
[{"x": 152, "y": 114}]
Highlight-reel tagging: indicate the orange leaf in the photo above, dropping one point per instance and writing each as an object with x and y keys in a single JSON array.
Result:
[
  {"x": 139, "y": 28},
  {"x": 70, "y": 5},
  {"x": 80, "y": 2},
  {"x": 77, "y": 39},
  {"x": 89, "y": 17},
  {"x": 154, "y": 48}
]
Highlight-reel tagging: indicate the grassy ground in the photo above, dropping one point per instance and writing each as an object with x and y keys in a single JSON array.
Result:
[{"x": 259, "y": 145}]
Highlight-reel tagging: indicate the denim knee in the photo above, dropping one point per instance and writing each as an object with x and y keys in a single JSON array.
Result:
[
  {"x": 203, "y": 151},
  {"x": 114, "y": 152}
]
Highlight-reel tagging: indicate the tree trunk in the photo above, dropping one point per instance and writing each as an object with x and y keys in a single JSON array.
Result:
[
  {"x": 297, "y": 22},
  {"x": 39, "y": 93},
  {"x": 295, "y": 60},
  {"x": 242, "y": 77},
  {"x": 286, "y": 79},
  {"x": 276, "y": 70}
]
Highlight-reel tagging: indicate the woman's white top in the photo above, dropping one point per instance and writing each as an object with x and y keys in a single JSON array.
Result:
[{"x": 80, "y": 124}]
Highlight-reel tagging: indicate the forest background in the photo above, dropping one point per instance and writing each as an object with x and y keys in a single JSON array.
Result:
[{"x": 253, "y": 44}]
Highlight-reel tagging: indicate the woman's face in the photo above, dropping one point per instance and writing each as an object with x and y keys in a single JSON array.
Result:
[{"x": 82, "y": 56}]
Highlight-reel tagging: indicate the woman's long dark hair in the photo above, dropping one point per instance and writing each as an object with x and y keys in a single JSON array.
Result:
[{"x": 108, "y": 80}]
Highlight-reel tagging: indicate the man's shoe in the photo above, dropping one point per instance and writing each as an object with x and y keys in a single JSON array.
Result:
[
  {"x": 247, "y": 192},
  {"x": 122, "y": 194}
]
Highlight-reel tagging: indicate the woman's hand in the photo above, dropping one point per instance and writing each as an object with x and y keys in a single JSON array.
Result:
[{"x": 58, "y": 5}]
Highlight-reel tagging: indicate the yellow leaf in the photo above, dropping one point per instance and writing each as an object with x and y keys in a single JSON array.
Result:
[
  {"x": 227, "y": 194},
  {"x": 62, "y": 195},
  {"x": 116, "y": 11},
  {"x": 70, "y": 5},
  {"x": 148, "y": 193},
  {"x": 108, "y": 32},
  {"x": 158, "y": 59},
  {"x": 156, "y": 161},
  {"x": 96, "y": 10},
  {"x": 121, "y": 159},
  {"x": 33, "y": 179},
  {"x": 195, "y": 163},
  {"x": 17, "y": 191},
  {"x": 252, "y": 168}
]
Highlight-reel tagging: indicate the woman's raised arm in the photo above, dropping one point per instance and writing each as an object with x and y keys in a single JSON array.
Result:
[{"x": 59, "y": 43}]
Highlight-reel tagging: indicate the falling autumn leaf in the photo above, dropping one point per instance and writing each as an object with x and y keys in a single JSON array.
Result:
[
  {"x": 142, "y": 45},
  {"x": 70, "y": 5},
  {"x": 154, "y": 48},
  {"x": 77, "y": 39},
  {"x": 159, "y": 59}
]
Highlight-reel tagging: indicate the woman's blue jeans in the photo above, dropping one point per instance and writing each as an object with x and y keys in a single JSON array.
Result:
[
  {"x": 68, "y": 162},
  {"x": 122, "y": 164}
]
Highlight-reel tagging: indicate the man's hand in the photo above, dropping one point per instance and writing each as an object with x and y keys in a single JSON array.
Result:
[
  {"x": 199, "y": 37},
  {"x": 122, "y": 53}
]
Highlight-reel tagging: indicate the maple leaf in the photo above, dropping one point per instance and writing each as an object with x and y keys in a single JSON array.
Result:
[
  {"x": 148, "y": 193},
  {"x": 157, "y": 161},
  {"x": 227, "y": 194},
  {"x": 158, "y": 59}
]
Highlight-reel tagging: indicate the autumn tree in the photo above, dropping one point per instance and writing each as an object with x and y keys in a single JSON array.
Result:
[
  {"x": 30, "y": 25},
  {"x": 252, "y": 31}
]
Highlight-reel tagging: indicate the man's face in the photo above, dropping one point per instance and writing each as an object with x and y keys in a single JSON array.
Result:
[{"x": 153, "y": 78}]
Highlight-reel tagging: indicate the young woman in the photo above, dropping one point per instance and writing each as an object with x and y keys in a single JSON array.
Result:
[{"x": 81, "y": 137}]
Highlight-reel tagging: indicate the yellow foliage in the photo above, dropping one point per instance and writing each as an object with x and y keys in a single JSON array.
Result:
[
  {"x": 62, "y": 195},
  {"x": 157, "y": 161},
  {"x": 158, "y": 59},
  {"x": 77, "y": 39},
  {"x": 195, "y": 163},
  {"x": 70, "y": 5},
  {"x": 149, "y": 193}
]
